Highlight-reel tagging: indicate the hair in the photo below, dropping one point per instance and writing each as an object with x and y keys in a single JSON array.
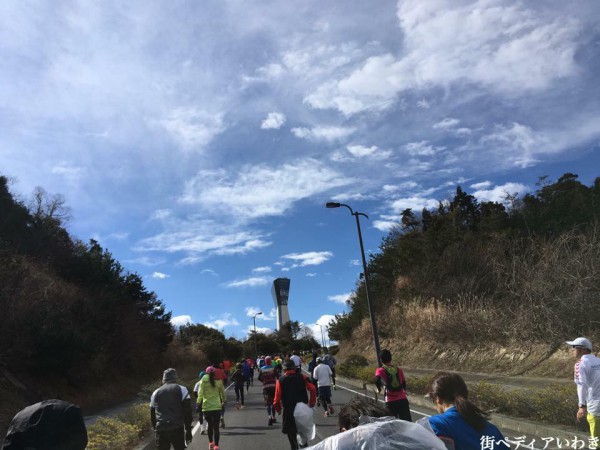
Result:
[
  {"x": 386, "y": 356},
  {"x": 211, "y": 378},
  {"x": 314, "y": 355},
  {"x": 450, "y": 388},
  {"x": 350, "y": 413}
]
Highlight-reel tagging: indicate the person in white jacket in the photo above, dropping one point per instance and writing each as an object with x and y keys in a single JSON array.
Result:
[
  {"x": 322, "y": 375},
  {"x": 587, "y": 379}
]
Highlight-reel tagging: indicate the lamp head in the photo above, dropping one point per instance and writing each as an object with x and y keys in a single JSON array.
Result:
[
  {"x": 332, "y": 205},
  {"x": 259, "y": 313}
]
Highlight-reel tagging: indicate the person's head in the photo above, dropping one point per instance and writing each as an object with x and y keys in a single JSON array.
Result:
[
  {"x": 449, "y": 389},
  {"x": 386, "y": 356},
  {"x": 170, "y": 376},
  {"x": 581, "y": 346},
  {"x": 350, "y": 413},
  {"x": 50, "y": 424},
  {"x": 315, "y": 355},
  {"x": 319, "y": 360},
  {"x": 289, "y": 364},
  {"x": 201, "y": 374},
  {"x": 210, "y": 371},
  {"x": 295, "y": 352},
  {"x": 268, "y": 361}
]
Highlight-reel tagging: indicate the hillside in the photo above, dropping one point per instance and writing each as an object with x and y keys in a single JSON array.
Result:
[{"x": 485, "y": 287}]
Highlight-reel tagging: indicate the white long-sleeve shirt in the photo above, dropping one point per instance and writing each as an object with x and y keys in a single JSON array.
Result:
[
  {"x": 587, "y": 378},
  {"x": 322, "y": 374}
]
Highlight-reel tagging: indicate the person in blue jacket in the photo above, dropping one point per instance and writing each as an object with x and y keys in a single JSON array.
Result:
[{"x": 461, "y": 424}]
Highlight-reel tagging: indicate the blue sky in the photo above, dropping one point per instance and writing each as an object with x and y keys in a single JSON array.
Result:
[{"x": 199, "y": 141}]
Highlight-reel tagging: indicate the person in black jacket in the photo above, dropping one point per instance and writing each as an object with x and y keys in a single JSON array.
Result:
[
  {"x": 47, "y": 425},
  {"x": 171, "y": 413},
  {"x": 291, "y": 389}
]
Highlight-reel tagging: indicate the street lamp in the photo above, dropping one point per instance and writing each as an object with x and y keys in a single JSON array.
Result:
[
  {"x": 366, "y": 274},
  {"x": 254, "y": 319}
]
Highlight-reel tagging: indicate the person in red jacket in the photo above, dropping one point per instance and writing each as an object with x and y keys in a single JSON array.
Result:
[
  {"x": 291, "y": 389},
  {"x": 220, "y": 374}
]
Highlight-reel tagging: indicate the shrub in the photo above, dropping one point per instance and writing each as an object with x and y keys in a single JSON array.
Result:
[
  {"x": 110, "y": 434},
  {"x": 356, "y": 360}
]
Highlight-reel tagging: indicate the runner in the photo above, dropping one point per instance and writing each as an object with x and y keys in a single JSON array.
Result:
[
  {"x": 237, "y": 378},
  {"x": 290, "y": 390},
  {"x": 221, "y": 375},
  {"x": 248, "y": 373},
  {"x": 392, "y": 378},
  {"x": 311, "y": 367},
  {"x": 267, "y": 376},
  {"x": 297, "y": 360},
  {"x": 201, "y": 421},
  {"x": 331, "y": 362},
  {"x": 212, "y": 398},
  {"x": 322, "y": 374}
]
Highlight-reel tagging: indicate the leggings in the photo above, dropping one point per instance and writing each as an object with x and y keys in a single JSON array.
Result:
[
  {"x": 239, "y": 392},
  {"x": 212, "y": 418}
]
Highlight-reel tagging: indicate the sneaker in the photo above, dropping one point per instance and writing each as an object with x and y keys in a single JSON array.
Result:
[
  {"x": 216, "y": 447},
  {"x": 326, "y": 414},
  {"x": 242, "y": 406},
  {"x": 211, "y": 446},
  {"x": 318, "y": 403},
  {"x": 270, "y": 421},
  {"x": 274, "y": 419},
  {"x": 222, "y": 422},
  {"x": 237, "y": 405},
  {"x": 334, "y": 387},
  {"x": 331, "y": 411}
]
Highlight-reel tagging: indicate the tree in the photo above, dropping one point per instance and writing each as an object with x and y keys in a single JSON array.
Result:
[{"x": 409, "y": 220}]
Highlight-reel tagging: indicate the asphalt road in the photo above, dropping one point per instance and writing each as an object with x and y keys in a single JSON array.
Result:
[{"x": 248, "y": 428}]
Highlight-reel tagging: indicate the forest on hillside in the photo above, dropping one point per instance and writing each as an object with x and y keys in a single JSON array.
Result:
[
  {"x": 72, "y": 314},
  {"x": 525, "y": 270}
]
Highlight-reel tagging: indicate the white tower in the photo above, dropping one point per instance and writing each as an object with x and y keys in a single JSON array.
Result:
[{"x": 281, "y": 292}]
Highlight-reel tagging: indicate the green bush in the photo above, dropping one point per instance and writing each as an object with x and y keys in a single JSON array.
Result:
[{"x": 138, "y": 416}]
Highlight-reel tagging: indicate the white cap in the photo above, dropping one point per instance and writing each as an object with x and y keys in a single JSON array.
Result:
[{"x": 581, "y": 342}]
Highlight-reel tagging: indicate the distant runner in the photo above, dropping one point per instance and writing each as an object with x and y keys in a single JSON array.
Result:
[
  {"x": 391, "y": 378},
  {"x": 267, "y": 376},
  {"x": 212, "y": 398},
  {"x": 322, "y": 375},
  {"x": 201, "y": 421},
  {"x": 331, "y": 362}
]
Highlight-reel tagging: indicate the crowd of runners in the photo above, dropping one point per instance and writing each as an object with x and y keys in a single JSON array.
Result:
[{"x": 363, "y": 423}]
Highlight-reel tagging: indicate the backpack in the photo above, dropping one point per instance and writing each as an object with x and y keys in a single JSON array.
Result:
[
  {"x": 327, "y": 359},
  {"x": 392, "y": 381}
]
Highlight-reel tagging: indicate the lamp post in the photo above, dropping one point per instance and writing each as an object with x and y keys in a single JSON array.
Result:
[
  {"x": 254, "y": 319},
  {"x": 322, "y": 336},
  {"x": 365, "y": 272}
]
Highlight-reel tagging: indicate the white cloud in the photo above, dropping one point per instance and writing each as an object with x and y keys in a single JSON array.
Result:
[
  {"x": 446, "y": 123},
  {"x": 160, "y": 275},
  {"x": 517, "y": 143},
  {"x": 225, "y": 320},
  {"x": 263, "y": 269},
  {"x": 373, "y": 152},
  {"x": 328, "y": 134},
  {"x": 498, "y": 194},
  {"x": 508, "y": 49},
  {"x": 416, "y": 203},
  {"x": 69, "y": 171},
  {"x": 179, "y": 321},
  {"x": 311, "y": 274},
  {"x": 340, "y": 298},
  {"x": 309, "y": 258},
  {"x": 319, "y": 328},
  {"x": 260, "y": 190},
  {"x": 481, "y": 185},
  {"x": 248, "y": 282},
  {"x": 209, "y": 272},
  {"x": 385, "y": 225},
  {"x": 422, "y": 148},
  {"x": 274, "y": 121},
  {"x": 192, "y": 128},
  {"x": 354, "y": 262}
]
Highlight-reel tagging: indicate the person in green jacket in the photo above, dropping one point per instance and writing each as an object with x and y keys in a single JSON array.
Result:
[{"x": 212, "y": 398}]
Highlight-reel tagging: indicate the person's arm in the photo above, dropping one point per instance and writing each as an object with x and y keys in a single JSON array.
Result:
[
  {"x": 402, "y": 378},
  {"x": 186, "y": 405},
  {"x": 378, "y": 380},
  {"x": 277, "y": 399},
  {"x": 581, "y": 380},
  {"x": 222, "y": 394},
  {"x": 312, "y": 391},
  {"x": 153, "y": 417}
]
